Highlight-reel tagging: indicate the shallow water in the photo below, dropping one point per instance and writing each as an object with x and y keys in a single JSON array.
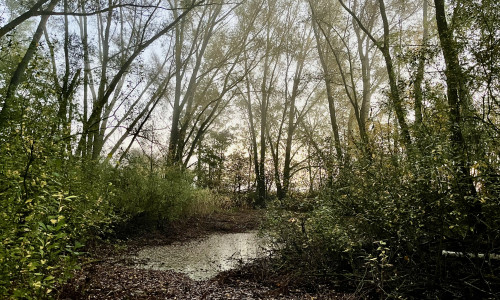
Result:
[{"x": 205, "y": 258}]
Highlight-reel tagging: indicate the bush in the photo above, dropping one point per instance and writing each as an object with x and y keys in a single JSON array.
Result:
[
  {"x": 48, "y": 212},
  {"x": 159, "y": 195},
  {"x": 384, "y": 224},
  {"x": 52, "y": 206}
]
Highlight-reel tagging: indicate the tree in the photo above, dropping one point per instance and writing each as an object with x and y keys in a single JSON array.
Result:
[
  {"x": 95, "y": 125},
  {"x": 420, "y": 69},
  {"x": 8, "y": 110},
  {"x": 458, "y": 100},
  {"x": 24, "y": 16},
  {"x": 269, "y": 40},
  {"x": 385, "y": 48},
  {"x": 205, "y": 78}
]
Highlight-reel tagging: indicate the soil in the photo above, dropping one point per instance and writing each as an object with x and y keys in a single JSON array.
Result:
[{"x": 107, "y": 275}]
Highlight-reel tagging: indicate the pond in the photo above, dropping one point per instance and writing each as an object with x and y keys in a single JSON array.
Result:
[{"x": 203, "y": 259}]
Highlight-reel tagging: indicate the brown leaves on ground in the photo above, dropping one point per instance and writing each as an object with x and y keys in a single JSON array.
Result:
[
  {"x": 110, "y": 277},
  {"x": 107, "y": 280}
]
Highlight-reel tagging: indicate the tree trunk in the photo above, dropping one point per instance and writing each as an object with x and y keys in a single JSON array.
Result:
[
  {"x": 385, "y": 49},
  {"x": 329, "y": 93},
  {"x": 456, "y": 94},
  {"x": 396, "y": 98},
  {"x": 417, "y": 89},
  {"x": 292, "y": 125}
]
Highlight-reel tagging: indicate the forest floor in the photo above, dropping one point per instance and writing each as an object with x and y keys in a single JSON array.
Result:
[{"x": 105, "y": 275}]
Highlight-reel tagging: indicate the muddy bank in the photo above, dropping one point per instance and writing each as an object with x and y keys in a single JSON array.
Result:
[{"x": 112, "y": 274}]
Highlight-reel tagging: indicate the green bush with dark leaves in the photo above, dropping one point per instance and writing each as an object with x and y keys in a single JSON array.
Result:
[{"x": 383, "y": 225}]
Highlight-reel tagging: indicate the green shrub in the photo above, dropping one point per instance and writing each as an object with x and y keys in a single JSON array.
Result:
[
  {"x": 53, "y": 205},
  {"x": 48, "y": 212},
  {"x": 384, "y": 223},
  {"x": 159, "y": 195}
]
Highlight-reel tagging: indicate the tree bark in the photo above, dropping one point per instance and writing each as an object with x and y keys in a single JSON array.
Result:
[{"x": 456, "y": 94}]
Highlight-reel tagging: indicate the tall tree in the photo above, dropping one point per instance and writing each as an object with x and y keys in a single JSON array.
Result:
[
  {"x": 385, "y": 48},
  {"x": 93, "y": 127},
  {"x": 261, "y": 84},
  {"x": 206, "y": 75},
  {"x": 420, "y": 69},
  {"x": 291, "y": 102},
  {"x": 457, "y": 95}
]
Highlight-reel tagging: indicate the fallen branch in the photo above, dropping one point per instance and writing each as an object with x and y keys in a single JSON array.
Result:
[{"x": 471, "y": 255}]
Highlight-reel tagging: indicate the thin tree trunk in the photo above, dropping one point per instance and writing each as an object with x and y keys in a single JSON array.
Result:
[
  {"x": 329, "y": 92},
  {"x": 176, "y": 112},
  {"x": 396, "y": 98},
  {"x": 417, "y": 89},
  {"x": 292, "y": 124},
  {"x": 385, "y": 49},
  {"x": 254, "y": 151},
  {"x": 87, "y": 81}
]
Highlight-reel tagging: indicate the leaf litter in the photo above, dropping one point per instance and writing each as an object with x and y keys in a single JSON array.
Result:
[{"x": 123, "y": 273}]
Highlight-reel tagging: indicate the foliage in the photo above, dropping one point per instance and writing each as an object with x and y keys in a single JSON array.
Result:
[
  {"x": 48, "y": 214},
  {"x": 52, "y": 207},
  {"x": 396, "y": 194},
  {"x": 384, "y": 223},
  {"x": 159, "y": 194}
]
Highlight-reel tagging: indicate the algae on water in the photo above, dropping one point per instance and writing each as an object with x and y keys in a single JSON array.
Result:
[{"x": 205, "y": 258}]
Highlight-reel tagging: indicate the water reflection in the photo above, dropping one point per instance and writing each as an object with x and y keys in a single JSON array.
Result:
[{"x": 203, "y": 259}]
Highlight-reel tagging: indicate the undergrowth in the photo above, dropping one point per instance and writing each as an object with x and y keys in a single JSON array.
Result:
[{"x": 381, "y": 230}]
